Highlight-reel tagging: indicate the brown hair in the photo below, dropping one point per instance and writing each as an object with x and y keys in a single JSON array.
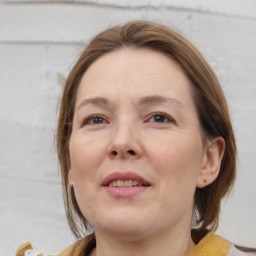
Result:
[{"x": 209, "y": 100}]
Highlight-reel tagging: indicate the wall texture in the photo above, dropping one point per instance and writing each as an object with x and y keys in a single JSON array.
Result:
[{"x": 39, "y": 42}]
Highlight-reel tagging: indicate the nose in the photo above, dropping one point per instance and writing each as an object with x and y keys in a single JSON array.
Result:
[{"x": 125, "y": 143}]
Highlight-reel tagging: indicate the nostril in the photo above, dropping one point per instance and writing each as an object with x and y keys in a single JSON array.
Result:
[
  {"x": 114, "y": 153},
  {"x": 122, "y": 153},
  {"x": 131, "y": 152}
]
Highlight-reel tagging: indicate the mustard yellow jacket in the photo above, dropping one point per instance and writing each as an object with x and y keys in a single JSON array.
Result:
[{"x": 210, "y": 245}]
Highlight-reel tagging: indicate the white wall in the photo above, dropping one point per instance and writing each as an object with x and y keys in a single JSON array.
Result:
[{"x": 39, "y": 42}]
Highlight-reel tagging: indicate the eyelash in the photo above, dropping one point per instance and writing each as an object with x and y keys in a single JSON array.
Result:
[
  {"x": 161, "y": 115},
  {"x": 91, "y": 118}
]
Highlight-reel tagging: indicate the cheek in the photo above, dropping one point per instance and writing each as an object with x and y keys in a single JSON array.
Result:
[
  {"x": 86, "y": 156},
  {"x": 178, "y": 160},
  {"x": 176, "y": 168}
]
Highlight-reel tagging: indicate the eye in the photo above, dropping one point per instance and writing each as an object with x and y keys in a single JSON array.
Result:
[
  {"x": 160, "y": 118},
  {"x": 94, "y": 120}
]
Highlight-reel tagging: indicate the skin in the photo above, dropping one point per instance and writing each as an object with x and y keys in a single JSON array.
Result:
[{"x": 150, "y": 127}]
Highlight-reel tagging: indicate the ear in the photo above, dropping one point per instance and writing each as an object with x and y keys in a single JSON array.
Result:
[
  {"x": 70, "y": 178},
  {"x": 213, "y": 154}
]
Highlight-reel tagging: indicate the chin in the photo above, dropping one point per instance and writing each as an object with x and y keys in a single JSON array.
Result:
[
  {"x": 126, "y": 233},
  {"x": 123, "y": 226}
]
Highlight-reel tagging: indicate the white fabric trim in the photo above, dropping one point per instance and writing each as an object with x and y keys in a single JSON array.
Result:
[{"x": 31, "y": 252}]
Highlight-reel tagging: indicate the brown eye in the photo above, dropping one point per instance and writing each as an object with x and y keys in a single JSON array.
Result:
[{"x": 160, "y": 118}]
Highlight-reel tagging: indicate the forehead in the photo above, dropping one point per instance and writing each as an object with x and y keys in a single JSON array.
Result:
[{"x": 134, "y": 71}]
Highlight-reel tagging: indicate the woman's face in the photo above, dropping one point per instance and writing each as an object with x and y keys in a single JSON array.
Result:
[{"x": 136, "y": 148}]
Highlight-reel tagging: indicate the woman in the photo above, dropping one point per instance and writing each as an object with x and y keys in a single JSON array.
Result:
[{"x": 146, "y": 146}]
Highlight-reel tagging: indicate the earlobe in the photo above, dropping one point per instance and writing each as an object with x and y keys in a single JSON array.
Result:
[
  {"x": 70, "y": 178},
  {"x": 213, "y": 154}
]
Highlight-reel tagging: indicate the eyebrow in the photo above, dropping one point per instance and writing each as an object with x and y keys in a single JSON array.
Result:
[
  {"x": 157, "y": 99},
  {"x": 147, "y": 100},
  {"x": 100, "y": 101}
]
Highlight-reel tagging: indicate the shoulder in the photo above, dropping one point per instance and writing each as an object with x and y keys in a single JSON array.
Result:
[
  {"x": 78, "y": 248},
  {"x": 27, "y": 250},
  {"x": 212, "y": 244}
]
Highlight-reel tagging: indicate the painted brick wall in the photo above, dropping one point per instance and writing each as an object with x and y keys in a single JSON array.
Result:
[{"x": 39, "y": 42}]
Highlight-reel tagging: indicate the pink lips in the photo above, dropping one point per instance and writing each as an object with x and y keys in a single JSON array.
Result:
[{"x": 125, "y": 191}]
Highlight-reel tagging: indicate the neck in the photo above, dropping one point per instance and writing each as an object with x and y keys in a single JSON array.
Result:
[{"x": 177, "y": 244}]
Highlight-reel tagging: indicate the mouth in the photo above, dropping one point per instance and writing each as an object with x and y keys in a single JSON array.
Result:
[
  {"x": 125, "y": 184},
  {"x": 124, "y": 179}
]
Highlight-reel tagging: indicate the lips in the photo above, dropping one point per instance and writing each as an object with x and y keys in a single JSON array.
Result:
[
  {"x": 124, "y": 179},
  {"x": 125, "y": 184}
]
